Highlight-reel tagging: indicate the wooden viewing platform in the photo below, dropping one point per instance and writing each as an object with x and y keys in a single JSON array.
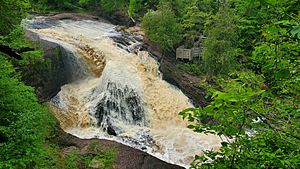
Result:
[{"x": 183, "y": 53}]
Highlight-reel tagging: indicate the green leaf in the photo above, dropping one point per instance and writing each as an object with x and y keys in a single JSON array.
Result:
[{"x": 296, "y": 30}]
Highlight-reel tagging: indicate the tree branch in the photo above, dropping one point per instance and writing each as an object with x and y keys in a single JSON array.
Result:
[
  {"x": 275, "y": 128},
  {"x": 235, "y": 148},
  {"x": 15, "y": 53}
]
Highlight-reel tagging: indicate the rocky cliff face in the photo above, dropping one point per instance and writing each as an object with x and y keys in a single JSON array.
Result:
[
  {"x": 187, "y": 83},
  {"x": 47, "y": 81},
  {"x": 57, "y": 70}
]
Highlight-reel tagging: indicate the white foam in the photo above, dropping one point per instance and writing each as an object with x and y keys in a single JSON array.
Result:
[{"x": 172, "y": 141}]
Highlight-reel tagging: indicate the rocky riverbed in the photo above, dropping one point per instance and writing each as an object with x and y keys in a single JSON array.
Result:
[{"x": 49, "y": 82}]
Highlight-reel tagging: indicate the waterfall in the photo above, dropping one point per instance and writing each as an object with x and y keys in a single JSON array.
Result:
[
  {"x": 117, "y": 93},
  {"x": 117, "y": 100}
]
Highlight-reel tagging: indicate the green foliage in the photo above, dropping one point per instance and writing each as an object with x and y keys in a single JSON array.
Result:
[
  {"x": 220, "y": 48},
  {"x": 24, "y": 123},
  {"x": 192, "y": 22},
  {"x": 150, "y": 4},
  {"x": 265, "y": 150},
  {"x": 107, "y": 158},
  {"x": 102, "y": 157},
  {"x": 15, "y": 39},
  {"x": 110, "y": 6},
  {"x": 105, "y": 7},
  {"x": 277, "y": 57},
  {"x": 256, "y": 115},
  {"x": 105, "y": 155},
  {"x": 90, "y": 5},
  {"x": 259, "y": 128},
  {"x": 134, "y": 7},
  {"x": 162, "y": 26},
  {"x": 55, "y": 5},
  {"x": 255, "y": 109},
  {"x": 229, "y": 103},
  {"x": 72, "y": 159},
  {"x": 254, "y": 15},
  {"x": 193, "y": 68},
  {"x": 11, "y": 14}
]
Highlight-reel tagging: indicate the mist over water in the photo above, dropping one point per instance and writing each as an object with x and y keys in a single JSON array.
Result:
[{"x": 121, "y": 93}]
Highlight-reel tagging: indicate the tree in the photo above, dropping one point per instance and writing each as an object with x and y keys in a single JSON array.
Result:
[
  {"x": 24, "y": 124},
  {"x": 220, "y": 47},
  {"x": 162, "y": 26},
  {"x": 255, "y": 111},
  {"x": 133, "y": 7},
  {"x": 11, "y": 14},
  {"x": 277, "y": 57},
  {"x": 261, "y": 130},
  {"x": 192, "y": 22},
  {"x": 110, "y": 6}
]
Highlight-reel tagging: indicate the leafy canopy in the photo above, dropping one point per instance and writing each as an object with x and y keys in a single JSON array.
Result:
[
  {"x": 259, "y": 129},
  {"x": 166, "y": 32}
]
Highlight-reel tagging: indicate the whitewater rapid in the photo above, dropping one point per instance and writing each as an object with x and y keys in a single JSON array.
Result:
[{"x": 121, "y": 92}]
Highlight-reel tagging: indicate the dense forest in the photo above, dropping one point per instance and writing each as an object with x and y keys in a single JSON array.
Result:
[{"x": 250, "y": 65}]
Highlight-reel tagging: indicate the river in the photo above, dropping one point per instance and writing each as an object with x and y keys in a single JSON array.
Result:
[{"x": 116, "y": 92}]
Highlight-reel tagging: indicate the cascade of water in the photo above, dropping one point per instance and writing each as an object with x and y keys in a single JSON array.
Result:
[
  {"x": 74, "y": 66},
  {"x": 129, "y": 99},
  {"x": 117, "y": 100}
]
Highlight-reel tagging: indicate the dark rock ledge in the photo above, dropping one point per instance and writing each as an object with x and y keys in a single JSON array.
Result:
[{"x": 126, "y": 158}]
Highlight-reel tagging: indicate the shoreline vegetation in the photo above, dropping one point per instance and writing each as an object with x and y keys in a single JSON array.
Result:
[{"x": 249, "y": 75}]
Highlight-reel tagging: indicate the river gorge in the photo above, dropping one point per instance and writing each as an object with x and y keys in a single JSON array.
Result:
[{"x": 115, "y": 91}]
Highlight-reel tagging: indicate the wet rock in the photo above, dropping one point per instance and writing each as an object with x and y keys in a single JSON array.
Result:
[
  {"x": 46, "y": 82},
  {"x": 126, "y": 157},
  {"x": 154, "y": 50},
  {"x": 141, "y": 140},
  {"x": 151, "y": 163},
  {"x": 187, "y": 83},
  {"x": 119, "y": 105},
  {"x": 40, "y": 23},
  {"x": 111, "y": 131},
  {"x": 119, "y": 18},
  {"x": 60, "y": 68},
  {"x": 72, "y": 16},
  {"x": 131, "y": 42}
]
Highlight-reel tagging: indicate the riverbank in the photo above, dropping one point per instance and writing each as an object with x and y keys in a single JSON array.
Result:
[
  {"x": 59, "y": 74},
  {"x": 124, "y": 157},
  {"x": 186, "y": 82}
]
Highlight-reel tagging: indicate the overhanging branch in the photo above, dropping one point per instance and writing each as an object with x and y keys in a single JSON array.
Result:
[
  {"x": 266, "y": 121},
  {"x": 15, "y": 53}
]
